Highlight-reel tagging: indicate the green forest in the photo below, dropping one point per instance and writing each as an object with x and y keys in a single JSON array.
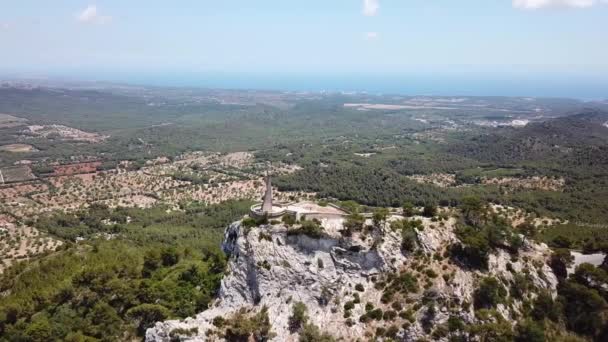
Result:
[{"x": 112, "y": 286}]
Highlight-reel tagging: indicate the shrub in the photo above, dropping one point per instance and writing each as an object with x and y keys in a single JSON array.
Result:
[
  {"x": 380, "y": 215},
  {"x": 430, "y": 273},
  {"x": 264, "y": 264},
  {"x": 389, "y": 315},
  {"x": 529, "y": 331},
  {"x": 520, "y": 286},
  {"x": 241, "y": 327},
  {"x": 169, "y": 256},
  {"x": 545, "y": 307},
  {"x": 219, "y": 321},
  {"x": 387, "y": 296},
  {"x": 455, "y": 324},
  {"x": 354, "y": 223},
  {"x": 375, "y": 314},
  {"x": 409, "y": 210},
  {"x": 349, "y": 305},
  {"x": 311, "y": 333},
  {"x": 299, "y": 316},
  {"x": 440, "y": 332},
  {"x": 249, "y": 222},
  {"x": 561, "y": 241},
  {"x": 178, "y": 332},
  {"x": 429, "y": 211},
  {"x": 147, "y": 314},
  {"x": 473, "y": 249},
  {"x": 559, "y": 262},
  {"x": 490, "y": 293},
  {"x": 265, "y": 236},
  {"x": 288, "y": 220},
  {"x": 308, "y": 228},
  {"x": 409, "y": 240},
  {"x": 359, "y": 287}
]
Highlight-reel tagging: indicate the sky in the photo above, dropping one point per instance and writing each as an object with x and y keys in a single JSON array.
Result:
[{"x": 350, "y": 37}]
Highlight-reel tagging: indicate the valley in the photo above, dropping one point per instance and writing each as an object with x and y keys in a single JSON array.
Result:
[{"x": 127, "y": 217}]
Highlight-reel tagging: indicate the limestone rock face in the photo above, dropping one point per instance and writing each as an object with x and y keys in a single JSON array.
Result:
[{"x": 268, "y": 267}]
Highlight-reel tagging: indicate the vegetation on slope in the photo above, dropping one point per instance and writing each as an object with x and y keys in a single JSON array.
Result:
[{"x": 112, "y": 287}]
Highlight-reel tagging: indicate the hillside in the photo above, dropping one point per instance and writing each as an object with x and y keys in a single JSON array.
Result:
[
  {"x": 406, "y": 279},
  {"x": 579, "y": 139}
]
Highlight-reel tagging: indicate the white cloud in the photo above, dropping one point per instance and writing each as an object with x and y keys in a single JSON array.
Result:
[
  {"x": 370, "y": 7},
  {"x": 90, "y": 16},
  {"x": 371, "y": 35},
  {"x": 538, "y": 4}
]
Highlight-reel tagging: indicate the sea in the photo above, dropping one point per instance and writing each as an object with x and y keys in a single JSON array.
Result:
[{"x": 556, "y": 85}]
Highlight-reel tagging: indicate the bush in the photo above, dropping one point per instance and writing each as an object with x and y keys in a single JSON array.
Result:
[
  {"x": 380, "y": 215},
  {"x": 349, "y": 305},
  {"x": 354, "y": 223},
  {"x": 147, "y": 314},
  {"x": 169, "y": 256},
  {"x": 311, "y": 333},
  {"x": 392, "y": 331},
  {"x": 473, "y": 249},
  {"x": 299, "y": 316},
  {"x": 439, "y": 332},
  {"x": 359, "y": 287},
  {"x": 242, "y": 328},
  {"x": 520, "y": 286},
  {"x": 265, "y": 236},
  {"x": 288, "y": 220},
  {"x": 308, "y": 228},
  {"x": 490, "y": 293},
  {"x": 409, "y": 210},
  {"x": 375, "y": 314},
  {"x": 529, "y": 331},
  {"x": 409, "y": 240},
  {"x": 561, "y": 241},
  {"x": 219, "y": 321},
  {"x": 389, "y": 315},
  {"x": 429, "y": 211},
  {"x": 430, "y": 273},
  {"x": 545, "y": 307},
  {"x": 251, "y": 222},
  {"x": 455, "y": 324},
  {"x": 178, "y": 332}
]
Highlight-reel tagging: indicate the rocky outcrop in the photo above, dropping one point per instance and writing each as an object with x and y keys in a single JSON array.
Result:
[{"x": 268, "y": 267}]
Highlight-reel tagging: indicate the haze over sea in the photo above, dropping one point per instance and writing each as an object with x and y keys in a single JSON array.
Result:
[{"x": 448, "y": 84}]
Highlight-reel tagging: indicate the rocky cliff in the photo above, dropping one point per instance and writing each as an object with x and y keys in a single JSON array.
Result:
[{"x": 360, "y": 286}]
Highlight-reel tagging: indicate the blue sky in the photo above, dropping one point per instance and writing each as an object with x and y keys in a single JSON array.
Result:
[{"x": 569, "y": 37}]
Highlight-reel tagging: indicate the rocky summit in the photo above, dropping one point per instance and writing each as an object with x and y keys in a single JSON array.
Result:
[{"x": 364, "y": 284}]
